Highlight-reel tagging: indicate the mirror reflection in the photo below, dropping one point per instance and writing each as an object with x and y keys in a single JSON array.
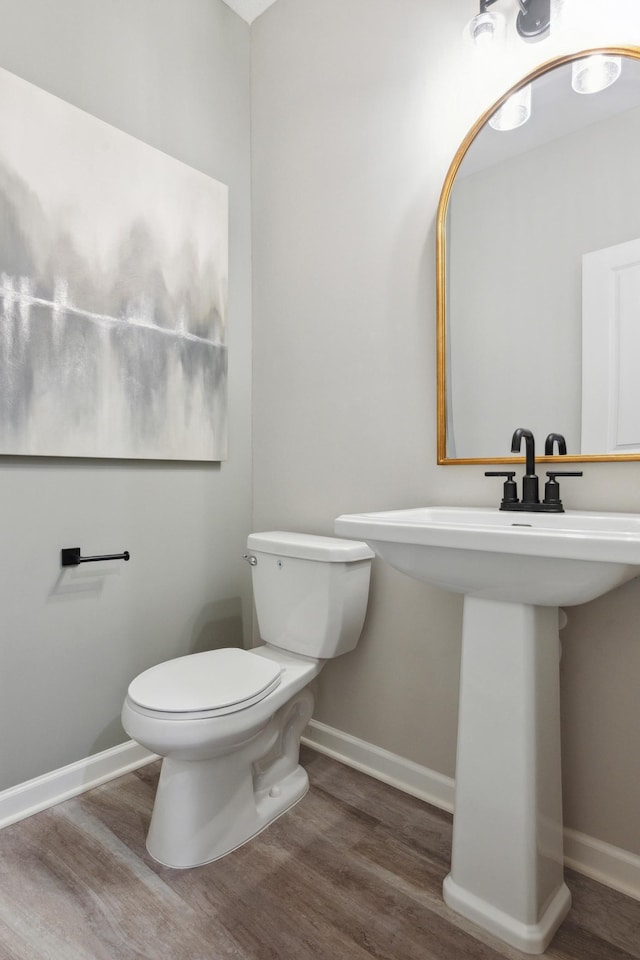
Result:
[{"x": 539, "y": 271}]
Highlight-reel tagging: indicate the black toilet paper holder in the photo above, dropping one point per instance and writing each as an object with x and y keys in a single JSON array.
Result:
[{"x": 71, "y": 556}]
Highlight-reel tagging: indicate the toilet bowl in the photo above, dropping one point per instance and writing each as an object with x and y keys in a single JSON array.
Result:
[{"x": 228, "y": 722}]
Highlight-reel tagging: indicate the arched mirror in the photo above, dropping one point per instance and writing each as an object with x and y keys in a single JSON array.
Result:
[{"x": 538, "y": 270}]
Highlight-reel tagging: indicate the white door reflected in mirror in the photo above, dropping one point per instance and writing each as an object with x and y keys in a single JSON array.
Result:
[{"x": 611, "y": 349}]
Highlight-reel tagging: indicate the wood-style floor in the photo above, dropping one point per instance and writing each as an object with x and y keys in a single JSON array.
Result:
[{"x": 353, "y": 872}]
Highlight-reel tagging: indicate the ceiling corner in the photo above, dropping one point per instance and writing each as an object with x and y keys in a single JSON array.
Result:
[{"x": 249, "y": 9}]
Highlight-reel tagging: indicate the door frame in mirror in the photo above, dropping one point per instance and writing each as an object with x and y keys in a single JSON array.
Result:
[{"x": 441, "y": 270}]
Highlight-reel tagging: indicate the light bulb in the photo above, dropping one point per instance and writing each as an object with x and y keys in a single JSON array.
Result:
[
  {"x": 595, "y": 73},
  {"x": 514, "y": 112},
  {"x": 486, "y": 30}
]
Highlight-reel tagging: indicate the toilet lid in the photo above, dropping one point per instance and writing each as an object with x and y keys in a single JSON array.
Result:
[{"x": 217, "y": 681}]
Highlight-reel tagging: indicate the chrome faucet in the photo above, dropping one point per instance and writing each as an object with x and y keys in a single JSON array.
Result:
[{"x": 530, "y": 497}]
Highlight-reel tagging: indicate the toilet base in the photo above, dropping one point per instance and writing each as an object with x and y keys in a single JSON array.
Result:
[
  {"x": 204, "y": 809},
  {"x": 172, "y": 848}
]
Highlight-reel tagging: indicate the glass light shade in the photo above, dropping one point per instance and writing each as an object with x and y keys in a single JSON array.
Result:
[
  {"x": 595, "y": 73},
  {"x": 486, "y": 30},
  {"x": 514, "y": 112}
]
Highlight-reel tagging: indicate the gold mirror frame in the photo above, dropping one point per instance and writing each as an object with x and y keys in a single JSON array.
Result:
[{"x": 441, "y": 268}]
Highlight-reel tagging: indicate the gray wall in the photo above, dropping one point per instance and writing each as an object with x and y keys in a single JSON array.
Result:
[
  {"x": 358, "y": 109},
  {"x": 175, "y": 75}
]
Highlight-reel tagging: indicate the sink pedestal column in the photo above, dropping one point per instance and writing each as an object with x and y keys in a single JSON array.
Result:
[{"x": 507, "y": 858}]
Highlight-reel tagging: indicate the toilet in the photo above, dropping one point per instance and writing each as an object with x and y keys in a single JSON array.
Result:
[{"x": 228, "y": 722}]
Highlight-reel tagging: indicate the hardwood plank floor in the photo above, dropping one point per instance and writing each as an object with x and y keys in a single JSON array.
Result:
[{"x": 353, "y": 872}]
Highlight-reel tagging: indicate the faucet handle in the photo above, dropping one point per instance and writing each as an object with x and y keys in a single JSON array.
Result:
[
  {"x": 552, "y": 474},
  {"x": 552, "y": 487},
  {"x": 510, "y": 489}
]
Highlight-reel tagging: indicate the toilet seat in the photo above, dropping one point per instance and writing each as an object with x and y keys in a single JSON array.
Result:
[{"x": 203, "y": 685}]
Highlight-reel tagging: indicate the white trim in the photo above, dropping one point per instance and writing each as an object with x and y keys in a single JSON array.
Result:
[
  {"x": 38, "y": 794},
  {"x": 601, "y": 861},
  {"x": 405, "y": 775}
]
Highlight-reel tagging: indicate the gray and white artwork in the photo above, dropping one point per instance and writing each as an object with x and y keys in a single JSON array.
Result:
[{"x": 113, "y": 290}]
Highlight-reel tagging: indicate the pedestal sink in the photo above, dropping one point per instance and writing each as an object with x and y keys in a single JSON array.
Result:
[{"x": 515, "y": 570}]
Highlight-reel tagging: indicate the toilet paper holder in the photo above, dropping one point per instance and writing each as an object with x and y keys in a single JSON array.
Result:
[{"x": 71, "y": 556}]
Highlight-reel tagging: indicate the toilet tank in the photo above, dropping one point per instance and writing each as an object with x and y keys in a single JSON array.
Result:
[{"x": 310, "y": 592}]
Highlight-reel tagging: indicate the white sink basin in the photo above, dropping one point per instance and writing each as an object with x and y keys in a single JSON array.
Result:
[{"x": 536, "y": 558}]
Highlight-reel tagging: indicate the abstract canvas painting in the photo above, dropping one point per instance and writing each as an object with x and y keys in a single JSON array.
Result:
[{"x": 113, "y": 290}]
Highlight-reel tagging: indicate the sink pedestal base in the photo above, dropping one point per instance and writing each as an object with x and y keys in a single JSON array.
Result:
[{"x": 507, "y": 858}]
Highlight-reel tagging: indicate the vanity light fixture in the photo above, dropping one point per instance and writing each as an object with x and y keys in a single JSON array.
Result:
[
  {"x": 514, "y": 112},
  {"x": 595, "y": 73},
  {"x": 532, "y": 22}
]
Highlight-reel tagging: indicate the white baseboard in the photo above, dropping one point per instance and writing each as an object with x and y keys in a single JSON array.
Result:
[
  {"x": 410, "y": 777},
  {"x": 601, "y": 861},
  {"x": 38, "y": 794}
]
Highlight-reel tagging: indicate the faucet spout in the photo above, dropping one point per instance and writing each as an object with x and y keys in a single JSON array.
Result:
[
  {"x": 529, "y": 480},
  {"x": 530, "y": 448},
  {"x": 551, "y": 441}
]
